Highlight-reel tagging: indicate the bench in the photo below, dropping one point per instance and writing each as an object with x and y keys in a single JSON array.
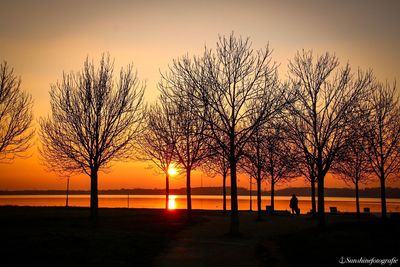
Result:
[
  {"x": 269, "y": 209},
  {"x": 333, "y": 210}
]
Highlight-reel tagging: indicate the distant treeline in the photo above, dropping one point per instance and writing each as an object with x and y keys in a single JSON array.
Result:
[{"x": 299, "y": 191}]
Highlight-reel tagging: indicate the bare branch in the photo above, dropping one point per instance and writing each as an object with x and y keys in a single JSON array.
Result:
[{"x": 15, "y": 115}]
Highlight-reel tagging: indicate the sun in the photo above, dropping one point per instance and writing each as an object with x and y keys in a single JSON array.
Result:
[{"x": 172, "y": 170}]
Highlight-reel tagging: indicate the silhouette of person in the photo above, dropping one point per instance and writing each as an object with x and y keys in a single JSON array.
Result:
[{"x": 294, "y": 205}]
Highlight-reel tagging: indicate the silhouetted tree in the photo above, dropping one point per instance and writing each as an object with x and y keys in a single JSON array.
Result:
[
  {"x": 320, "y": 117},
  {"x": 242, "y": 93},
  {"x": 268, "y": 157},
  {"x": 188, "y": 131},
  {"x": 352, "y": 164},
  {"x": 94, "y": 120},
  {"x": 157, "y": 143},
  {"x": 229, "y": 87},
  {"x": 306, "y": 164},
  {"x": 307, "y": 169},
  {"x": 217, "y": 164},
  {"x": 383, "y": 135},
  {"x": 282, "y": 162},
  {"x": 15, "y": 115},
  {"x": 254, "y": 163}
]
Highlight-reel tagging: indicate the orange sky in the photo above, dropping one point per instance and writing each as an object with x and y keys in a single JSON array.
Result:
[{"x": 43, "y": 38}]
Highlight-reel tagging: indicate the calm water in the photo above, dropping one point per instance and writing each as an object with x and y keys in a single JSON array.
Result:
[{"x": 198, "y": 202}]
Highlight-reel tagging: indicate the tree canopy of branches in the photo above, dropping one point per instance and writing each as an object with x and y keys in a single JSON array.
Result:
[
  {"x": 230, "y": 86},
  {"x": 15, "y": 115},
  {"x": 319, "y": 119},
  {"x": 383, "y": 136},
  {"x": 156, "y": 141},
  {"x": 187, "y": 130},
  {"x": 94, "y": 121}
]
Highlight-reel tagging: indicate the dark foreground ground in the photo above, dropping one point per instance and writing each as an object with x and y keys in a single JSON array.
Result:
[
  {"x": 342, "y": 239},
  {"x": 66, "y": 237}
]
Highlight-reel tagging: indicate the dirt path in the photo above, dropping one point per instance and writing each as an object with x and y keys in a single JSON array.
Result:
[{"x": 206, "y": 244}]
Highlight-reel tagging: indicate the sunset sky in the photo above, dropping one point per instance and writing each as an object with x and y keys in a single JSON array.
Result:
[{"x": 41, "y": 39}]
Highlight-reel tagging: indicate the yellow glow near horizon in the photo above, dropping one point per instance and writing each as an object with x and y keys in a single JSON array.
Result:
[{"x": 171, "y": 202}]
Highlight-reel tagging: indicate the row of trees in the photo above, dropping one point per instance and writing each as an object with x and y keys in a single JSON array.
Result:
[{"x": 225, "y": 111}]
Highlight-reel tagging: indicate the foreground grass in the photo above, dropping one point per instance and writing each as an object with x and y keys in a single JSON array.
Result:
[
  {"x": 344, "y": 237},
  {"x": 135, "y": 237},
  {"x": 66, "y": 236}
]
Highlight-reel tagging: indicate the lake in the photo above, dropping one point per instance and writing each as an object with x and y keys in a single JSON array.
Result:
[{"x": 343, "y": 204}]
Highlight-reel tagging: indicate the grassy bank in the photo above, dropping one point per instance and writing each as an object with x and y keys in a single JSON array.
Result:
[
  {"x": 66, "y": 236},
  {"x": 137, "y": 237},
  {"x": 342, "y": 239}
]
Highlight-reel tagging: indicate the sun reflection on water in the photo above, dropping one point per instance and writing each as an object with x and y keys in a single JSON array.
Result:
[{"x": 172, "y": 202}]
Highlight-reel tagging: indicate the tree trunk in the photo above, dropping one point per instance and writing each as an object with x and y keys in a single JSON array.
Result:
[
  {"x": 188, "y": 195},
  {"x": 251, "y": 203},
  {"x": 272, "y": 195},
  {"x": 357, "y": 199},
  {"x": 234, "y": 227},
  {"x": 224, "y": 193},
  {"x": 321, "y": 202},
  {"x": 94, "y": 198},
  {"x": 383, "y": 196},
  {"x": 66, "y": 200},
  {"x": 259, "y": 208},
  {"x": 313, "y": 201},
  {"x": 166, "y": 190}
]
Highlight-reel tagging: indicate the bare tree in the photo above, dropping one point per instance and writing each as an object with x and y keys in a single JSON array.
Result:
[
  {"x": 282, "y": 162},
  {"x": 214, "y": 165},
  {"x": 15, "y": 115},
  {"x": 157, "y": 143},
  {"x": 94, "y": 121},
  {"x": 352, "y": 164},
  {"x": 383, "y": 136},
  {"x": 191, "y": 146},
  {"x": 230, "y": 86},
  {"x": 242, "y": 93},
  {"x": 307, "y": 169},
  {"x": 268, "y": 157},
  {"x": 320, "y": 117},
  {"x": 306, "y": 163},
  {"x": 254, "y": 163}
]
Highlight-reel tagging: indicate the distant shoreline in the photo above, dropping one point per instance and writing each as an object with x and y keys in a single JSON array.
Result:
[{"x": 299, "y": 191}]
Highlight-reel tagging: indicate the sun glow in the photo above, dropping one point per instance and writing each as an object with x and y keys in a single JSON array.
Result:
[
  {"x": 171, "y": 202},
  {"x": 172, "y": 170}
]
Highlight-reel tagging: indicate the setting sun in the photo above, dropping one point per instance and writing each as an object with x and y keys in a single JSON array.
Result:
[{"x": 172, "y": 170}]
